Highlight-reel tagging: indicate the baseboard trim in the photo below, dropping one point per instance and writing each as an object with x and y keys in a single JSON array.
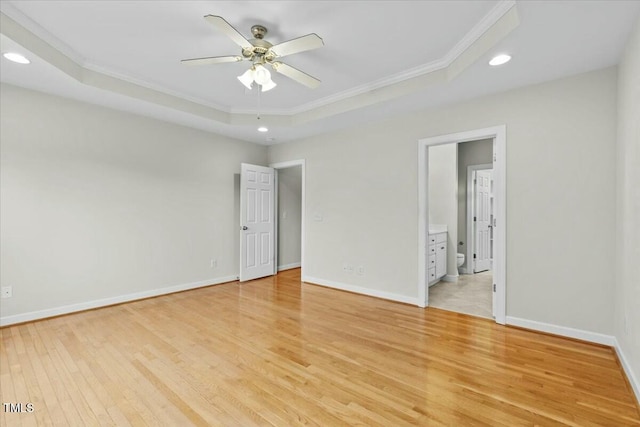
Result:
[
  {"x": 564, "y": 331},
  {"x": 633, "y": 379},
  {"x": 579, "y": 334},
  {"x": 289, "y": 266},
  {"x": 104, "y": 302},
  {"x": 360, "y": 290}
]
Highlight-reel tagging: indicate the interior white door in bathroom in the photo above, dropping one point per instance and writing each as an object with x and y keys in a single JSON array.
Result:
[
  {"x": 482, "y": 233},
  {"x": 257, "y": 222}
]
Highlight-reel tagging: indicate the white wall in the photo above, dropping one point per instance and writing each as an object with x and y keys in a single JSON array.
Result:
[
  {"x": 469, "y": 153},
  {"x": 443, "y": 196},
  {"x": 356, "y": 207},
  {"x": 289, "y": 216},
  {"x": 627, "y": 267},
  {"x": 560, "y": 198},
  {"x": 97, "y": 204}
]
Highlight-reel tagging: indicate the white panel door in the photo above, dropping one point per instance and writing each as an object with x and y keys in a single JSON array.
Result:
[
  {"x": 482, "y": 232},
  {"x": 257, "y": 222}
]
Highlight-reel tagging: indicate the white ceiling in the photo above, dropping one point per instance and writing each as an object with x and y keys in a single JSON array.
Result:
[{"x": 381, "y": 58}]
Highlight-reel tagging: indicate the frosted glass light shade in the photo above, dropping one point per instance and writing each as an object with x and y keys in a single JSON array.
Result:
[
  {"x": 247, "y": 78},
  {"x": 268, "y": 85},
  {"x": 262, "y": 75}
]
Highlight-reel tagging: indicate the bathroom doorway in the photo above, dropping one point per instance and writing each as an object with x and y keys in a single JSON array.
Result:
[
  {"x": 468, "y": 201},
  {"x": 492, "y": 279}
]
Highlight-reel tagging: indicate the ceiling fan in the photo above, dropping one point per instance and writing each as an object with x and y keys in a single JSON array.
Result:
[{"x": 261, "y": 53}]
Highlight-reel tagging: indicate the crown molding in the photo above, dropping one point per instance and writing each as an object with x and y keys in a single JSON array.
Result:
[
  {"x": 36, "y": 29},
  {"x": 479, "y": 29},
  {"x": 500, "y": 21},
  {"x": 471, "y": 37},
  {"x": 155, "y": 87},
  {"x": 63, "y": 48}
]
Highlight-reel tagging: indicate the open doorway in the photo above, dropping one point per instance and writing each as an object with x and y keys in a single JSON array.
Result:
[
  {"x": 461, "y": 198},
  {"x": 290, "y": 214},
  {"x": 271, "y": 219},
  {"x": 438, "y": 229}
]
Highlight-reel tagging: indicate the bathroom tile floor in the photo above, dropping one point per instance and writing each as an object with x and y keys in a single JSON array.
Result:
[{"x": 471, "y": 294}]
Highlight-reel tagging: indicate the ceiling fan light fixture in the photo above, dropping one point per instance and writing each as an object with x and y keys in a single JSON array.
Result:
[
  {"x": 500, "y": 59},
  {"x": 261, "y": 52},
  {"x": 261, "y": 75},
  {"x": 268, "y": 85},
  {"x": 247, "y": 78}
]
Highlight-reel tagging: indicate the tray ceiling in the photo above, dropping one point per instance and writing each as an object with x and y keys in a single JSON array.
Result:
[{"x": 380, "y": 58}]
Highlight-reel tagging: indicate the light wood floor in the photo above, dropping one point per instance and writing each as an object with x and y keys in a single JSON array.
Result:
[{"x": 273, "y": 352}]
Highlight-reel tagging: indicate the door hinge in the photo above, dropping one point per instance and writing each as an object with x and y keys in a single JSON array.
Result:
[
  {"x": 474, "y": 256},
  {"x": 474, "y": 218},
  {"x": 494, "y": 287}
]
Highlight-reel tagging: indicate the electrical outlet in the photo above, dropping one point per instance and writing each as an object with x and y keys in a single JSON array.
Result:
[
  {"x": 214, "y": 263},
  {"x": 7, "y": 292},
  {"x": 348, "y": 268}
]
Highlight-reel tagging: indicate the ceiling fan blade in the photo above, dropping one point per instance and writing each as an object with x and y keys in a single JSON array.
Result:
[
  {"x": 211, "y": 60},
  {"x": 308, "y": 42},
  {"x": 295, "y": 74},
  {"x": 232, "y": 33}
]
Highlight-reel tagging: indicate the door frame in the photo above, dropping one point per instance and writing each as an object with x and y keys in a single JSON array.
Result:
[
  {"x": 470, "y": 205},
  {"x": 499, "y": 136},
  {"x": 285, "y": 165}
]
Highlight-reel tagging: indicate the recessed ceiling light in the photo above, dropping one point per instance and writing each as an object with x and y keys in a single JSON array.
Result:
[
  {"x": 262, "y": 129},
  {"x": 16, "y": 57},
  {"x": 500, "y": 59}
]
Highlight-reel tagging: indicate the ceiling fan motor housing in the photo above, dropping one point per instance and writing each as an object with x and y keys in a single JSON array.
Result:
[
  {"x": 260, "y": 46},
  {"x": 258, "y": 31}
]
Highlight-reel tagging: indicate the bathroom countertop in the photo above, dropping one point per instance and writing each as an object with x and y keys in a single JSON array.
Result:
[{"x": 437, "y": 228}]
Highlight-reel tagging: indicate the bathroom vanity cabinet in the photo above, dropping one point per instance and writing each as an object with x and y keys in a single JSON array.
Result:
[{"x": 437, "y": 264}]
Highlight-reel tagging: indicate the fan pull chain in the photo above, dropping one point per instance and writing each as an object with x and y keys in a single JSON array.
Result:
[{"x": 259, "y": 100}]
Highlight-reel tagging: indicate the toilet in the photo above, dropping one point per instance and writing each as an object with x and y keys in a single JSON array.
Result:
[{"x": 459, "y": 260}]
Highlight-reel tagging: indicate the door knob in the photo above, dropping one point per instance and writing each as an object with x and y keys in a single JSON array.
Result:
[{"x": 244, "y": 227}]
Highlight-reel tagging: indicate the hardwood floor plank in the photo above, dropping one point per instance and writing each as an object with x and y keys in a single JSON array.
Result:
[
  {"x": 46, "y": 405},
  {"x": 276, "y": 352},
  {"x": 36, "y": 395}
]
